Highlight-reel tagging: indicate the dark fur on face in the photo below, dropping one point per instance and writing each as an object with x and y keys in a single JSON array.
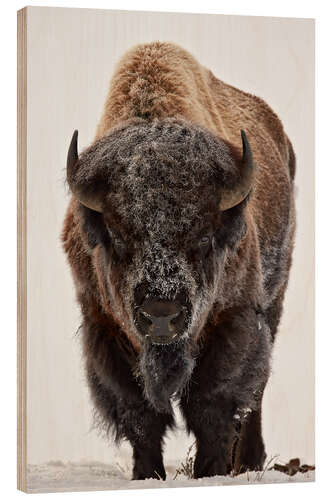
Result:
[{"x": 163, "y": 182}]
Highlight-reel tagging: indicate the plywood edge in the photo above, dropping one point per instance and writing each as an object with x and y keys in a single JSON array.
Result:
[{"x": 21, "y": 249}]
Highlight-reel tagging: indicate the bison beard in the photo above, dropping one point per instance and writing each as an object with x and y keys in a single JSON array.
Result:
[{"x": 165, "y": 371}]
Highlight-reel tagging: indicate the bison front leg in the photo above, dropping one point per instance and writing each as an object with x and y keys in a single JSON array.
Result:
[
  {"x": 148, "y": 462},
  {"x": 250, "y": 449},
  {"x": 212, "y": 424},
  {"x": 228, "y": 378},
  {"x": 145, "y": 429},
  {"x": 122, "y": 407}
]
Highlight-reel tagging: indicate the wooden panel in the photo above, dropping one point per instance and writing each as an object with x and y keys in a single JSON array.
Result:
[{"x": 71, "y": 56}]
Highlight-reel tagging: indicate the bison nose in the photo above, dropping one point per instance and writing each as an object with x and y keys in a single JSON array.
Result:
[{"x": 161, "y": 320}]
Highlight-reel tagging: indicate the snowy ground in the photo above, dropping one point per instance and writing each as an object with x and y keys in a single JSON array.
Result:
[{"x": 57, "y": 476}]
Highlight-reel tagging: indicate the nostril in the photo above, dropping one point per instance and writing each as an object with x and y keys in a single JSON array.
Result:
[
  {"x": 176, "y": 318},
  {"x": 160, "y": 319}
]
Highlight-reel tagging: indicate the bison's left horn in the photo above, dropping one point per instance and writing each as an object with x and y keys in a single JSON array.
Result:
[
  {"x": 231, "y": 198},
  {"x": 77, "y": 186}
]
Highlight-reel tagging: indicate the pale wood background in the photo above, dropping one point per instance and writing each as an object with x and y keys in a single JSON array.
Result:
[{"x": 71, "y": 55}]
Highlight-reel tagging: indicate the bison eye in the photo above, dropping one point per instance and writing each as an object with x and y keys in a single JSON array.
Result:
[
  {"x": 204, "y": 245},
  {"x": 119, "y": 246},
  {"x": 204, "y": 242}
]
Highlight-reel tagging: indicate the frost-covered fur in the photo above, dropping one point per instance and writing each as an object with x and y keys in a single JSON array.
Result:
[
  {"x": 167, "y": 147},
  {"x": 165, "y": 372}
]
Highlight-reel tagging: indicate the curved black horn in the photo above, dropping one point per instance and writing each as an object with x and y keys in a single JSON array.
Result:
[
  {"x": 81, "y": 193},
  {"x": 231, "y": 198},
  {"x": 72, "y": 155}
]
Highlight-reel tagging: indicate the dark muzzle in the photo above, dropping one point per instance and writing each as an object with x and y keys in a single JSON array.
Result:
[{"x": 161, "y": 320}]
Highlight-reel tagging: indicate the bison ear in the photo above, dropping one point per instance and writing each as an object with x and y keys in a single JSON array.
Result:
[
  {"x": 94, "y": 227},
  {"x": 232, "y": 197},
  {"x": 81, "y": 189}
]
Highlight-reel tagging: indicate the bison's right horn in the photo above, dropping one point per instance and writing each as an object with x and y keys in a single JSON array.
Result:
[
  {"x": 77, "y": 186},
  {"x": 231, "y": 198}
]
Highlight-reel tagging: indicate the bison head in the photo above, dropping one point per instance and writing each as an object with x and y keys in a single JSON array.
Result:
[{"x": 160, "y": 203}]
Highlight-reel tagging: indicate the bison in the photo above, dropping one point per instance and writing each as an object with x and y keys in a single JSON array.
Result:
[{"x": 179, "y": 235}]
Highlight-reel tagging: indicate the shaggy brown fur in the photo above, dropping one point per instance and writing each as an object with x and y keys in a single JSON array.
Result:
[{"x": 167, "y": 146}]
